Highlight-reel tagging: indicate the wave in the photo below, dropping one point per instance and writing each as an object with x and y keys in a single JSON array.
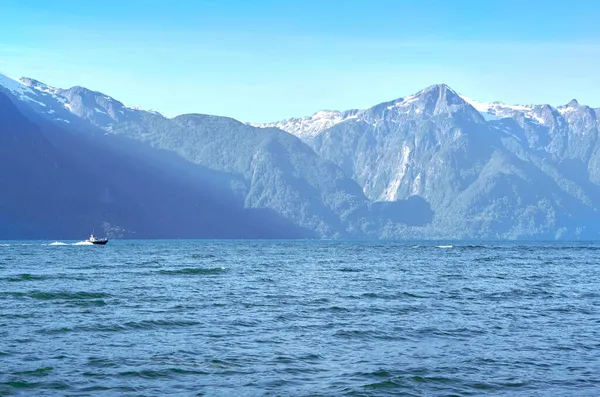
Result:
[
  {"x": 158, "y": 374},
  {"x": 350, "y": 270},
  {"x": 202, "y": 256},
  {"x": 448, "y": 246},
  {"x": 195, "y": 271},
  {"x": 67, "y": 295},
  {"x": 475, "y": 246},
  {"x": 409, "y": 295},
  {"x": 153, "y": 324},
  {"x": 417, "y": 246},
  {"x": 120, "y": 327},
  {"x": 26, "y": 277}
]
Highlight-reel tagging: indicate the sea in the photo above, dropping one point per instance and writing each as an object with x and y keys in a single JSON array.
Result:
[{"x": 299, "y": 318}]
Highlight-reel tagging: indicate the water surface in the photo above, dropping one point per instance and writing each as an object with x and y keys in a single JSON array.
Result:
[{"x": 147, "y": 318}]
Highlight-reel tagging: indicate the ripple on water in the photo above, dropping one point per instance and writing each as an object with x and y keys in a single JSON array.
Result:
[
  {"x": 202, "y": 256},
  {"x": 194, "y": 271},
  {"x": 26, "y": 277},
  {"x": 152, "y": 324},
  {"x": 42, "y": 295},
  {"x": 39, "y": 372},
  {"x": 160, "y": 374},
  {"x": 21, "y": 385},
  {"x": 335, "y": 309},
  {"x": 299, "y": 318},
  {"x": 131, "y": 325}
]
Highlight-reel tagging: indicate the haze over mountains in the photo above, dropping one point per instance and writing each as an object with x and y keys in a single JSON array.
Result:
[{"x": 435, "y": 164}]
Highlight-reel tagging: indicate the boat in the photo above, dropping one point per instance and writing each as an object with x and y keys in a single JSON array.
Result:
[{"x": 97, "y": 241}]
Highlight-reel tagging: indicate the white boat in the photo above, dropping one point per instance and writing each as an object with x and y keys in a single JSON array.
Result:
[{"x": 98, "y": 241}]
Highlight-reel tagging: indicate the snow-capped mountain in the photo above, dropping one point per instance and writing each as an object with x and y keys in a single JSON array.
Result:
[
  {"x": 480, "y": 165},
  {"x": 260, "y": 168},
  {"x": 70, "y": 105},
  {"x": 499, "y": 110},
  {"x": 61, "y": 179},
  {"x": 42, "y": 98},
  {"x": 421, "y": 104},
  {"x": 38, "y": 85},
  {"x": 434, "y": 164},
  {"x": 310, "y": 126}
]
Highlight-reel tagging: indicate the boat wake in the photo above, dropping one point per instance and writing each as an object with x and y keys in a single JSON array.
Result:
[
  {"x": 431, "y": 246},
  {"x": 62, "y": 243},
  {"x": 53, "y": 244}
]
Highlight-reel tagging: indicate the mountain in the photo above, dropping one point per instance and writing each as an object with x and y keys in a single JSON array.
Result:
[
  {"x": 424, "y": 103},
  {"x": 435, "y": 164},
  {"x": 312, "y": 126},
  {"x": 61, "y": 183},
  {"x": 486, "y": 170},
  {"x": 263, "y": 169}
]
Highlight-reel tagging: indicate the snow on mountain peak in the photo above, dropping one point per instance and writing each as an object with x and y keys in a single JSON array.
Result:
[
  {"x": 402, "y": 102},
  {"x": 497, "y": 110},
  {"x": 45, "y": 98},
  {"x": 38, "y": 85},
  {"x": 15, "y": 87},
  {"x": 438, "y": 89},
  {"x": 324, "y": 114},
  {"x": 21, "y": 90},
  {"x": 433, "y": 100},
  {"x": 310, "y": 126}
]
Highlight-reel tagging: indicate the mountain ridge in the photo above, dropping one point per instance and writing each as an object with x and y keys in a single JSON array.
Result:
[
  {"x": 310, "y": 126},
  {"x": 435, "y": 164},
  {"x": 327, "y": 118},
  {"x": 60, "y": 183},
  {"x": 268, "y": 169}
]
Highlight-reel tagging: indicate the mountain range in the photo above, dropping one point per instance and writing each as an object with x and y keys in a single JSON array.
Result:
[{"x": 433, "y": 165}]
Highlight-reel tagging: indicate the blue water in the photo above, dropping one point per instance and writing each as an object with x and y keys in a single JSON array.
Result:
[{"x": 143, "y": 318}]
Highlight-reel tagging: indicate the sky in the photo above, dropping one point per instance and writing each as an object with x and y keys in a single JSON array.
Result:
[{"x": 265, "y": 60}]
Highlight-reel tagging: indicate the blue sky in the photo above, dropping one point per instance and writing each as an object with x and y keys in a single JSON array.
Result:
[{"x": 267, "y": 60}]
